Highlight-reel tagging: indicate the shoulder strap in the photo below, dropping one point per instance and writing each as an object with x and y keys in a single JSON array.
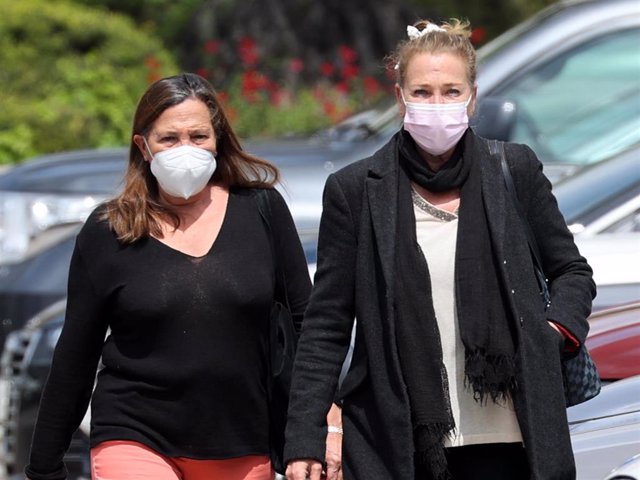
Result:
[
  {"x": 264, "y": 207},
  {"x": 497, "y": 148}
]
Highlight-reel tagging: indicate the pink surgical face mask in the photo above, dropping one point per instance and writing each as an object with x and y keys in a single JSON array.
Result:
[{"x": 436, "y": 127}]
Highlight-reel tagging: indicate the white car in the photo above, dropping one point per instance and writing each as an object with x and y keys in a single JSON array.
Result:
[{"x": 605, "y": 431}]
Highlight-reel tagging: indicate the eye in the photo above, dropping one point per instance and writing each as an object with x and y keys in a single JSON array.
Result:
[
  {"x": 421, "y": 92},
  {"x": 167, "y": 139}
]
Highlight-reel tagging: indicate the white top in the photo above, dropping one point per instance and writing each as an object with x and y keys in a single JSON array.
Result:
[{"x": 475, "y": 423}]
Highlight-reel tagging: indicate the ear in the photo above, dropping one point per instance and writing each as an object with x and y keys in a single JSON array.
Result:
[
  {"x": 401, "y": 106},
  {"x": 471, "y": 109},
  {"x": 139, "y": 141}
]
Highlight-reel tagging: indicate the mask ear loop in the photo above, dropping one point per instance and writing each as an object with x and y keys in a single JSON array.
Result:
[{"x": 144, "y": 139}]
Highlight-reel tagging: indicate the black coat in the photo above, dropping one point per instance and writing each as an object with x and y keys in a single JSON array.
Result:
[{"x": 354, "y": 278}]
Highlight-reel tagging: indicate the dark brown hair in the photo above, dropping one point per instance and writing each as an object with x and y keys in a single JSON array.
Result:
[{"x": 137, "y": 211}]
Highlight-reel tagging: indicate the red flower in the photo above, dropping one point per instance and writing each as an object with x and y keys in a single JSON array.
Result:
[
  {"x": 371, "y": 85},
  {"x": 203, "y": 72},
  {"x": 296, "y": 65},
  {"x": 151, "y": 62},
  {"x": 252, "y": 82},
  {"x": 327, "y": 69},
  {"x": 350, "y": 71},
  {"x": 276, "y": 97},
  {"x": 247, "y": 43},
  {"x": 211, "y": 47},
  {"x": 342, "y": 87},
  {"x": 247, "y": 51},
  {"x": 330, "y": 109},
  {"x": 478, "y": 35},
  {"x": 348, "y": 54}
]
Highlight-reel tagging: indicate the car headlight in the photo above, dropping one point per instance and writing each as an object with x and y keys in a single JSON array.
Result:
[{"x": 25, "y": 215}]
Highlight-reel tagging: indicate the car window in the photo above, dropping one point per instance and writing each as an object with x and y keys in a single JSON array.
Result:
[{"x": 582, "y": 106}]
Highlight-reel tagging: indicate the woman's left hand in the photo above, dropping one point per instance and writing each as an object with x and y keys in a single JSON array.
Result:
[{"x": 333, "y": 454}]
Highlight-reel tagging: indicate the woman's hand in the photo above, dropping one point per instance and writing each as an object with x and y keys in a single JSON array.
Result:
[
  {"x": 304, "y": 469},
  {"x": 333, "y": 454}
]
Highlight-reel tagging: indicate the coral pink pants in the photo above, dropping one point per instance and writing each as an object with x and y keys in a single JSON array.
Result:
[{"x": 124, "y": 460}]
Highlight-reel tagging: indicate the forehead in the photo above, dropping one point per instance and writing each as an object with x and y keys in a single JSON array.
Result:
[
  {"x": 438, "y": 68},
  {"x": 192, "y": 113}
]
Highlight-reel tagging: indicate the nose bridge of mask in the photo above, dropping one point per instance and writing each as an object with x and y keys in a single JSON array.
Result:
[{"x": 176, "y": 154}]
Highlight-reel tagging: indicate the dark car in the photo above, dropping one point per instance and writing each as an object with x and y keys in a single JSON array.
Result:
[{"x": 24, "y": 367}]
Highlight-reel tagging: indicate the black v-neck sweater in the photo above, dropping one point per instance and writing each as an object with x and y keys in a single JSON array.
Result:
[{"x": 185, "y": 359}]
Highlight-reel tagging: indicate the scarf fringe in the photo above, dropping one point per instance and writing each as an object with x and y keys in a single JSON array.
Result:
[
  {"x": 429, "y": 440},
  {"x": 490, "y": 376}
]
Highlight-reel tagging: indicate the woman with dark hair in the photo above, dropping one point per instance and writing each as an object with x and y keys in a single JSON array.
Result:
[
  {"x": 456, "y": 370},
  {"x": 177, "y": 272}
]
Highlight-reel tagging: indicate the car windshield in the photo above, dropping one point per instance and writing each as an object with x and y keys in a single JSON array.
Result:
[{"x": 583, "y": 105}]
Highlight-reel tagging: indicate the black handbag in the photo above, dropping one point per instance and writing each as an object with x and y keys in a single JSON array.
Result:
[
  {"x": 283, "y": 340},
  {"x": 579, "y": 372}
]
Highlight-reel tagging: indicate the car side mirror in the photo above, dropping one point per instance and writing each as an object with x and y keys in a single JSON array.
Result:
[{"x": 494, "y": 118}]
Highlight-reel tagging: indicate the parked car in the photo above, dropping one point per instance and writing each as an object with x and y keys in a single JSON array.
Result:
[
  {"x": 53, "y": 190},
  {"x": 24, "y": 366},
  {"x": 604, "y": 430},
  {"x": 629, "y": 470},
  {"x": 614, "y": 341},
  {"x": 601, "y": 204},
  {"x": 615, "y": 259},
  {"x": 564, "y": 82}
]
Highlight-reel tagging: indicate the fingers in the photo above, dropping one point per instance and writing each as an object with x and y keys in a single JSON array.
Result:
[
  {"x": 334, "y": 473},
  {"x": 333, "y": 456},
  {"x": 306, "y": 469}
]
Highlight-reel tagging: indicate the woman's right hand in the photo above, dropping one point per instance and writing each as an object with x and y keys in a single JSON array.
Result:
[{"x": 304, "y": 469}]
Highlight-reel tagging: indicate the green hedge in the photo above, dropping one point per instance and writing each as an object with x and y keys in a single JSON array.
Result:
[{"x": 70, "y": 76}]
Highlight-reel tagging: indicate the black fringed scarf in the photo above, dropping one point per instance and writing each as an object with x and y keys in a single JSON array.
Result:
[{"x": 480, "y": 303}]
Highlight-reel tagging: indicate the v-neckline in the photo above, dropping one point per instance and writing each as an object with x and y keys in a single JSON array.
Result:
[{"x": 213, "y": 243}]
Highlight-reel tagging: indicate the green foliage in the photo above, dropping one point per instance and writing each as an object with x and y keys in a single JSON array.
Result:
[{"x": 70, "y": 76}]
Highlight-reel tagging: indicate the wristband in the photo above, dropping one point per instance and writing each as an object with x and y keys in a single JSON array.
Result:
[{"x": 333, "y": 429}]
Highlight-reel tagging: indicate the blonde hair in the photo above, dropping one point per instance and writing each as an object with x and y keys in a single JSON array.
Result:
[{"x": 453, "y": 36}]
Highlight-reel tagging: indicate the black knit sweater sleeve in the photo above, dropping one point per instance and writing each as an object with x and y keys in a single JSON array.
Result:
[
  {"x": 71, "y": 378},
  {"x": 291, "y": 253}
]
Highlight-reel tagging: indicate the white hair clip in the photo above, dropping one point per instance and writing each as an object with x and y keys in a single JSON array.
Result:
[{"x": 414, "y": 33}]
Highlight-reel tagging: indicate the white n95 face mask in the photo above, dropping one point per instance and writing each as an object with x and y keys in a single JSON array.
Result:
[
  {"x": 183, "y": 171},
  {"x": 436, "y": 127}
]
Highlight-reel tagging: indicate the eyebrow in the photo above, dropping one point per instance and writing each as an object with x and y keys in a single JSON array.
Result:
[
  {"x": 173, "y": 131},
  {"x": 450, "y": 84}
]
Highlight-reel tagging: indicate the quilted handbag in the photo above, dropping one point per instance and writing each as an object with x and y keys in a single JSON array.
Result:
[{"x": 579, "y": 372}]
